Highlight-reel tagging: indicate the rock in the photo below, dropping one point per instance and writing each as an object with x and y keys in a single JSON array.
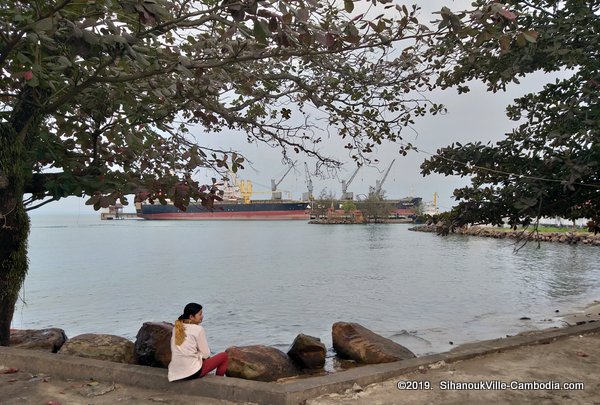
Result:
[
  {"x": 101, "y": 347},
  {"x": 153, "y": 344},
  {"x": 50, "y": 339},
  {"x": 260, "y": 363},
  {"x": 358, "y": 343},
  {"x": 308, "y": 352}
]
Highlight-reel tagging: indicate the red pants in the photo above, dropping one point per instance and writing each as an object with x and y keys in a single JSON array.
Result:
[{"x": 218, "y": 361}]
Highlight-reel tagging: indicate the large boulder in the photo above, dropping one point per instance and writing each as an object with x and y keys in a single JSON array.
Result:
[
  {"x": 308, "y": 352},
  {"x": 153, "y": 344},
  {"x": 358, "y": 343},
  {"x": 260, "y": 363},
  {"x": 50, "y": 339},
  {"x": 101, "y": 347}
]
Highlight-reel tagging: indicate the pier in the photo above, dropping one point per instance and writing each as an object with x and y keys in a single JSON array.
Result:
[{"x": 115, "y": 212}]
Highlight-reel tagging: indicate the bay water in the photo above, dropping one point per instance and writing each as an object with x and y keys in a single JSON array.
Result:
[{"x": 264, "y": 282}]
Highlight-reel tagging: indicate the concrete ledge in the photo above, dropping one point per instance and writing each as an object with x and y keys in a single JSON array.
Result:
[{"x": 288, "y": 392}]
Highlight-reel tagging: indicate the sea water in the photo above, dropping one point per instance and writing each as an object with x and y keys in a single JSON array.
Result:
[{"x": 264, "y": 282}]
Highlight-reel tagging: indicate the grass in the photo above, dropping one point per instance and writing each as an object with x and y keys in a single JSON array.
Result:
[{"x": 548, "y": 229}]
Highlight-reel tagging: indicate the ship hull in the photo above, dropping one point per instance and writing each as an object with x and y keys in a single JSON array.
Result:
[{"x": 259, "y": 211}]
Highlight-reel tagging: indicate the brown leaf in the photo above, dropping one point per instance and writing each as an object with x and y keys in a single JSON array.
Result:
[
  {"x": 582, "y": 354},
  {"x": 509, "y": 15},
  {"x": 9, "y": 370}
]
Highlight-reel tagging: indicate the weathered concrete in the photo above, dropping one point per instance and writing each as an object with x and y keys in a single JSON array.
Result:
[{"x": 288, "y": 392}]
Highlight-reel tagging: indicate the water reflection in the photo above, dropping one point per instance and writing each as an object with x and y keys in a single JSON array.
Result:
[{"x": 378, "y": 236}]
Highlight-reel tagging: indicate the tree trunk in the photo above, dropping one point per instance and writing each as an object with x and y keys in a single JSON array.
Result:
[{"x": 14, "y": 227}]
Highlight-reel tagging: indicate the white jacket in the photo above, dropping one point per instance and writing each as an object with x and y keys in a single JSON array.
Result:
[{"x": 186, "y": 359}]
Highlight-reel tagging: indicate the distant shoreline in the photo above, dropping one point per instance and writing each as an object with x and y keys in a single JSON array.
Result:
[{"x": 571, "y": 238}]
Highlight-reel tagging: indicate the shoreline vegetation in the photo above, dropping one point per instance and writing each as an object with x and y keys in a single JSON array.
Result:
[{"x": 569, "y": 236}]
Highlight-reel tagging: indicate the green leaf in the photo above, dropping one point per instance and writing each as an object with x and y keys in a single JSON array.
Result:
[
  {"x": 348, "y": 6},
  {"x": 188, "y": 73},
  {"x": 23, "y": 58},
  {"x": 259, "y": 32},
  {"x": 46, "y": 24},
  {"x": 64, "y": 61},
  {"x": 90, "y": 38}
]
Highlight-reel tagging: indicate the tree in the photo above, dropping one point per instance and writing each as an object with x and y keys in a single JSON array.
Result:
[
  {"x": 374, "y": 208},
  {"x": 106, "y": 98},
  {"x": 348, "y": 206},
  {"x": 324, "y": 202},
  {"x": 549, "y": 165}
]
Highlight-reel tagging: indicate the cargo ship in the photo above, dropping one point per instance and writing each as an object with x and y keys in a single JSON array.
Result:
[
  {"x": 407, "y": 207},
  {"x": 235, "y": 206},
  {"x": 224, "y": 210}
]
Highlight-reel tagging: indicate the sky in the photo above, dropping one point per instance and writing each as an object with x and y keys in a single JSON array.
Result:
[{"x": 475, "y": 116}]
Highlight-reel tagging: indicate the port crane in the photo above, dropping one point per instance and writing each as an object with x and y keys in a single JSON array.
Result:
[
  {"x": 379, "y": 183},
  {"x": 345, "y": 194},
  {"x": 309, "y": 185},
  {"x": 276, "y": 195}
]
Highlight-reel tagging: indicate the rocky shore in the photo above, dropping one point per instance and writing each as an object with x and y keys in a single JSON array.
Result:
[
  {"x": 571, "y": 238},
  {"x": 562, "y": 361},
  {"x": 306, "y": 356}
]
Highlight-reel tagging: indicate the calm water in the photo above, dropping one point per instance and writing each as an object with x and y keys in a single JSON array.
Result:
[{"x": 265, "y": 282}]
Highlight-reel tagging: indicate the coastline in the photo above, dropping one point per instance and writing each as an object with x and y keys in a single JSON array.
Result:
[
  {"x": 590, "y": 313},
  {"x": 571, "y": 238},
  {"x": 550, "y": 357}
]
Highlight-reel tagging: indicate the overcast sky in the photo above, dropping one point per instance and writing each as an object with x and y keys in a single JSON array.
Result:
[{"x": 474, "y": 116}]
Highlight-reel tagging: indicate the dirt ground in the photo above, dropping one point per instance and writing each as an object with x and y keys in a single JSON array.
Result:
[
  {"x": 573, "y": 359},
  {"x": 23, "y": 388}
]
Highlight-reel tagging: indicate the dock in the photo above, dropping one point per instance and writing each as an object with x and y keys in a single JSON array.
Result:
[
  {"x": 109, "y": 216},
  {"x": 115, "y": 212}
]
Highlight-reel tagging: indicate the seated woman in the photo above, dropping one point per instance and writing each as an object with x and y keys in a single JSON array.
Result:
[{"x": 190, "y": 354}]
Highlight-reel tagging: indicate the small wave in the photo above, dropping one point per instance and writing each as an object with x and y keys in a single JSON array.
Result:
[{"x": 400, "y": 333}]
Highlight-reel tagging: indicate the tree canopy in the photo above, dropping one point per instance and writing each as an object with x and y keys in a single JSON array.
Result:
[
  {"x": 104, "y": 98},
  {"x": 124, "y": 90},
  {"x": 549, "y": 165}
]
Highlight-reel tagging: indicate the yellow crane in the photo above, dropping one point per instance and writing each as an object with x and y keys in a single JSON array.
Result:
[{"x": 245, "y": 190}]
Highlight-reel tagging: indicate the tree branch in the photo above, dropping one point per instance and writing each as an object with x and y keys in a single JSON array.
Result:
[{"x": 41, "y": 204}]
